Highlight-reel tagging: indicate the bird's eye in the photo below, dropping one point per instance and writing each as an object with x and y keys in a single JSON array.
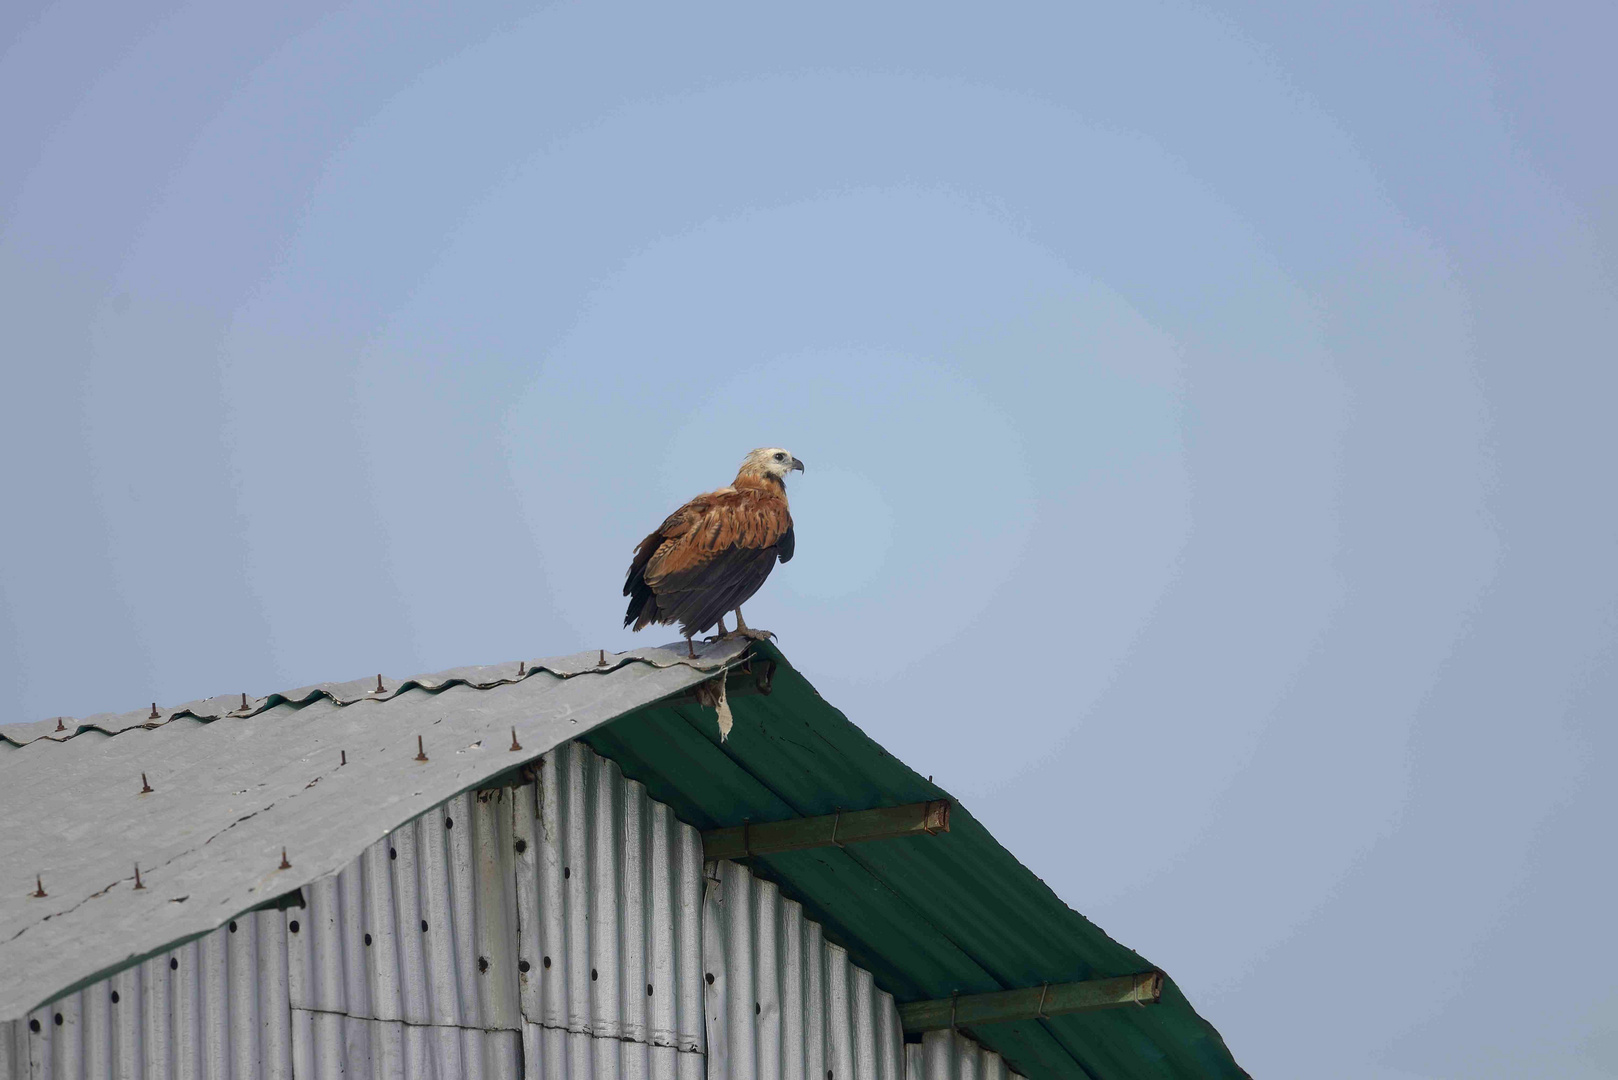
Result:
[{"x": 780, "y": 457}]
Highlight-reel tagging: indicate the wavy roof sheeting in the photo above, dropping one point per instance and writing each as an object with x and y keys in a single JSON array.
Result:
[
  {"x": 232, "y": 788},
  {"x": 930, "y": 917}
]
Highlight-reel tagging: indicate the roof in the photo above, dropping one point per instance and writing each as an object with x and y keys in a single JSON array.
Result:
[
  {"x": 232, "y": 788},
  {"x": 933, "y": 917},
  {"x": 954, "y": 913}
]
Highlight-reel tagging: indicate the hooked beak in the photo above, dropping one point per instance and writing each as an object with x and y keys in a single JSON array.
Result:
[{"x": 796, "y": 464}]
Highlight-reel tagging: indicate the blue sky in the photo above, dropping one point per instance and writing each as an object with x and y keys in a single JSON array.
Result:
[{"x": 1207, "y": 414}]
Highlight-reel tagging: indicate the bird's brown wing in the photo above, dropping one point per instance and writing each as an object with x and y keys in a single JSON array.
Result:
[
  {"x": 708, "y": 557},
  {"x": 708, "y": 527},
  {"x": 643, "y": 609},
  {"x": 674, "y": 526}
]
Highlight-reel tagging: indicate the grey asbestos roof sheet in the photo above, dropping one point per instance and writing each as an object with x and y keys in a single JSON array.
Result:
[{"x": 233, "y": 786}]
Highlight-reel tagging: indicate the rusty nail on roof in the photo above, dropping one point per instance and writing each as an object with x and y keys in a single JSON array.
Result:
[
  {"x": 138, "y": 885},
  {"x": 344, "y": 760},
  {"x": 421, "y": 753},
  {"x": 244, "y": 701},
  {"x": 145, "y": 788},
  {"x": 154, "y": 715},
  {"x": 603, "y": 661},
  {"x": 284, "y": 864},
  {"x": 522, "y": 668},
  {"x": 59, "y": 725},
  {"x": 515, "y": 745},
  {"x": 378, "y": 689},
  {"x": 39, "y": 886}
]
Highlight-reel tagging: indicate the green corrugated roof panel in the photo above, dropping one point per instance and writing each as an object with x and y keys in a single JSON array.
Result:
[{"x": 954, "y": 913}]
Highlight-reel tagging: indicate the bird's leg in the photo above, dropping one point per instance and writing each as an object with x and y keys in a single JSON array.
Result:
[
  {"x": 743, "y": 630},
  {"x": 721, "y": 633},
  {"x": 690, "y": 648}
]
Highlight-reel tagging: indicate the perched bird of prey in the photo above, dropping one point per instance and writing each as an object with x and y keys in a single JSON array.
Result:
[{"x": 713, "y": 553}]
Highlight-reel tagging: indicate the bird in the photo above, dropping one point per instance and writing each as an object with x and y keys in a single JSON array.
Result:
[{"x": 712, "y": 554}]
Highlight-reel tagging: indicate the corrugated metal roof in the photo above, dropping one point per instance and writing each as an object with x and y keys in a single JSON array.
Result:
[
  {"x": 232, "y": 788},
  {"x": 928, "y": 917},
  {"x": 377, "y": 688},
  {"x": 508, "y": 932}
]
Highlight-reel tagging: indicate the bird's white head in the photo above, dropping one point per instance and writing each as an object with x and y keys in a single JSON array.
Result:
[{"x": 769, "y": 461}]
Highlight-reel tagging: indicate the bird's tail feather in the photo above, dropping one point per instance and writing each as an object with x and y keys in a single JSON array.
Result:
[{"x": 642, "y": 602}]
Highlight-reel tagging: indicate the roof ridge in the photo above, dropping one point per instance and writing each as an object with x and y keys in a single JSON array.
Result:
[{"x": 343, "y": 694}]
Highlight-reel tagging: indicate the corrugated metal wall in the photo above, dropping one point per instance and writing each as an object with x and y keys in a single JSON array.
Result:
[
  {"x": 404, "y": 963},
  {"x": 783, "y": 1004},
  {"x": 567, "y": 928},
  {"x": 216, "y": 1006},
  {"x": 609, "y": 889},
  {"x": 946, "y": 1055}
]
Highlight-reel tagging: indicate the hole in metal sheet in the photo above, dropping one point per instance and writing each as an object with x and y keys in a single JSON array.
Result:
[
  {"x": 174, "y": 961},
  {"x": 522, "y": 846},
  {"x": 233, "y": 926},
  {"x": 393, "y": 853},
  {"x": 293, "y": 926},
  {"x": 757, "y": 1008},
  {"x": 424, "y": 926},
  {"x": 593, "y": 975},
  {"x": 648, "y": 989},
  {"x": 115, "y": 997},
  {"x": 522, "y": 966},
  {"x": 33, "y": 1025},
  {"x": 710, "y": 978},
  {"x": 828, "y": 1074},
  {"x": 58, "y": 1019},
  {"x": 449, "y": 823},
  {"x": 483, "y": 963},
  {"x": 547, "y": 961},
  {"x": 367, "y": 939},
  {"x": 567, "y": 872}
]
